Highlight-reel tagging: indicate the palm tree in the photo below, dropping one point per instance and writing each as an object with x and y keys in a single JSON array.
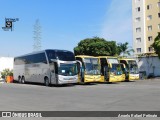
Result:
[
  {"x": 156, "y": 44},
  {"x": 124, "y": 49}
]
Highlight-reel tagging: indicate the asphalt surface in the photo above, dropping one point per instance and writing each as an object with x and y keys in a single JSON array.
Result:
[{"x": 139, "y": 95}]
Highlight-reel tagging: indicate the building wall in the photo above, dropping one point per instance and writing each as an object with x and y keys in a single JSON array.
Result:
[
  {"x": 144, "y": 44},
  {"x": 153, "y": 11},
  {"x": 149, "y": 64}
]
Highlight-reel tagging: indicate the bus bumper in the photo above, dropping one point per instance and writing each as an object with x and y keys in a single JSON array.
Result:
[
  {"x": 67, "y": 79},
  {"x": 134, "y": 77},
  {"x": 92, "y": 78}
]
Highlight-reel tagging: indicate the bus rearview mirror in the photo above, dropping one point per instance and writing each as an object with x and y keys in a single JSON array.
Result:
[{"x": 110, "y": 65}]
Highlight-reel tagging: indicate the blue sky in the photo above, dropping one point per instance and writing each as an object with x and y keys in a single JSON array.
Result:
[{"x": 64, "y": 23}]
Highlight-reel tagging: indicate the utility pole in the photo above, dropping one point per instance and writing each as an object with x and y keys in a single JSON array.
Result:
[{"x": 37, "y": 36}]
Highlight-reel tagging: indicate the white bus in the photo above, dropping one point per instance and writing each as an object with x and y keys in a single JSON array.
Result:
[{"x": 48, "y": 67}]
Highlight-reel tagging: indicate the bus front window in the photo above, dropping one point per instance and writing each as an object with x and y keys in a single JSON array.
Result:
[
  {"x": 116, "y": 69},
  {"x": 133, "y": 67},
  {"x": 91, "y": 66},
  {"x": 67, "y": 69}
]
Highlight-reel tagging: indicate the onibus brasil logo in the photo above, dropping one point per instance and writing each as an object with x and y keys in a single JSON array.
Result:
[{"x": 9, "y": 23}]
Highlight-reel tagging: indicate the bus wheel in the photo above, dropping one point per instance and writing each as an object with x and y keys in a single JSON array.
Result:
[
  {"x": 23, "y": 80},
  {"x": 46, "y": 81}
]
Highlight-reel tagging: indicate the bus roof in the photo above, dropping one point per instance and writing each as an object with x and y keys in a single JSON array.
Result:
[
  {"x": 43, "y": 51},
  {"x": 107, "y": 57},
  {"x": 127, "y": 59},
  {"x": 85, "y": 56}
]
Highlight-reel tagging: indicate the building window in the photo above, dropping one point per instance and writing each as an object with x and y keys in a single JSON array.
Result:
[
  {"x": 138, "y": 50},
  {"x": 138, "y": 40},
  {"x": 138, "y": 19},
  {"x": 149, "y": 6},
  {"x": 138, "y": 9},
  {"x": 150, "y": 49},
  {"x": 159, "y": 15},
  {"x": 158, "y": 26},
  {"x": 138, "y": 29},
  {"x": 149, "y": 28},
  {"x": 158, "y": 4},
  {"x": 150, "y": 38},
  {"x": 149, "y": 17}
]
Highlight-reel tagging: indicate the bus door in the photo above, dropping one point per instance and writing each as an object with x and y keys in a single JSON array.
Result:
[
  {"x": 104, "y": 69},
  {"x": 106, "y": 75},
  {"x": 124, "y": 72},
  {"x": 54, "y": 72},
  {"x": 80, "y": 71}
]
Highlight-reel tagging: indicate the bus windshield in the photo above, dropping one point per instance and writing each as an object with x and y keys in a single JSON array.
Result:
[
  {"x": 112, "y": 60},
  {"x": 65, "y": 56},
  {"x": 133, "y": 67},
  {"x": 91, "y": 65},
  {"x": 67, "y": 69},
  {"x": 124, "y": 70},
  {"x": 116, "y": 69},
  {"x": 60, "y": 54}
]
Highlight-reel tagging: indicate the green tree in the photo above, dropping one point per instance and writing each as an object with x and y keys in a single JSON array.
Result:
[
  {"x": 124, "y": 50},
  {"x": 156, "y": 44},
  {"x": 6, "y": 72},
  {"x": 96, "y": 47}
]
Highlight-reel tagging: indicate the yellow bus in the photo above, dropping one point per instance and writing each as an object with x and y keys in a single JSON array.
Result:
[
  {"x": 110, "y": 69},
  {"x": 88, "y": 69},
  {"x": 131, "y": 68}
]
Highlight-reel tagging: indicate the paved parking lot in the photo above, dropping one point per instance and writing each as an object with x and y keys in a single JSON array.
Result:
[{"x": 125, "y": 96}]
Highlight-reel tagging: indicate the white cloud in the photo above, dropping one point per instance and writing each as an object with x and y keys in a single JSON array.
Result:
[{"x": 118, "y": 21}]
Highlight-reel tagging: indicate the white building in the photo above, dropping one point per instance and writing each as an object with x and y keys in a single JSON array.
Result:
[
  {"x": 6, "y": 63},
  {"x": 146, "y": 24}
]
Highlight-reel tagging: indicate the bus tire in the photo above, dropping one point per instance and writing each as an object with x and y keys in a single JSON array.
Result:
[
  {"x": 23, "y": 80},
  {"x": 46, "y": 81}
]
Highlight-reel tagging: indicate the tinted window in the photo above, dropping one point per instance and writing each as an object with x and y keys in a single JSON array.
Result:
[
  {"x": 60, "y": 54},
  {"x": 65, "y": 55},
  {"x": 40, "y": 58},
  {"x": 19, "y": 61},
  {"x": 36, "y": 58},
  {"x": 51, "y": 55}
]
